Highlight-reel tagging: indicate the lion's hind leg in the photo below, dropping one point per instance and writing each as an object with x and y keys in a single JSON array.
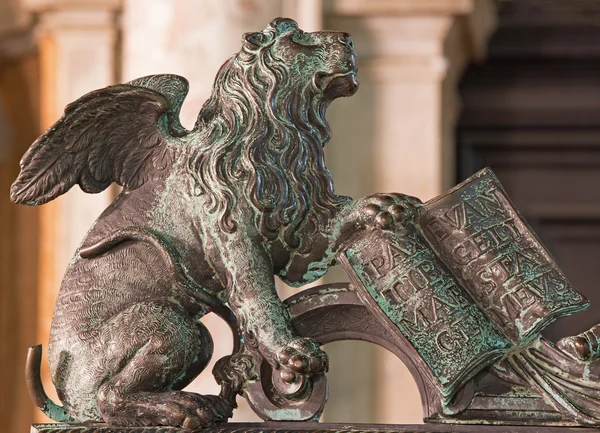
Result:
[{"x": 157, "y": 346}]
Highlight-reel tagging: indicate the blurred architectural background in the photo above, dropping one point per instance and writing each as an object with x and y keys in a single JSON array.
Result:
[{"x": 447, "y": 87}]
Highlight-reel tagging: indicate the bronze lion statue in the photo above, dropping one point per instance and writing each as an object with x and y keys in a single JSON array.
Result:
[{"x": 206, "y": 219}]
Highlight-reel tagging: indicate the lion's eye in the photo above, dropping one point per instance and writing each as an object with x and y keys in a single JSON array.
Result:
[{"x": 303, "y": 38}]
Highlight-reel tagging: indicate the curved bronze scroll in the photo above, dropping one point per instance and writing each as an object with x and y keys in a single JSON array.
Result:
[
  {"x": 331, "y": 313},
  {"x": 537, "y": 384}
]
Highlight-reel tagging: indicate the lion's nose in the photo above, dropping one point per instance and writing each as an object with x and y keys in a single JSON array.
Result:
[{"x": 346, "y": 39}]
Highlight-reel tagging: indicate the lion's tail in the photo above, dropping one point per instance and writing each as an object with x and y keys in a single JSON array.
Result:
[{"x": 36, "y": 389}]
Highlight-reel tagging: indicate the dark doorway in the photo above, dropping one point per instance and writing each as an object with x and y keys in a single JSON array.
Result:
[{"x": 532, "y": 113}]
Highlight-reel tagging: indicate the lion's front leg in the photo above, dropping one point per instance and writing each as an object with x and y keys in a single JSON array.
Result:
[
  {"x": 246, "y": 269},
  {"x": 266, "y": 323},
  {"x": 383, "y": 211}
]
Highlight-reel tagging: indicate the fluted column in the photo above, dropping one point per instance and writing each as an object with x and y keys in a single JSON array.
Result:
[
  {"x": 193, "y": 39},
  {"x": 397, "y": 132},
  {"x": 77, "y": 47}
]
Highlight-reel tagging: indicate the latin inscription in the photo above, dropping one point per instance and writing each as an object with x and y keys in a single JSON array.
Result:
[
  {"x": 412, "y": 277},
  {"x": 418, "y": 293},
  {"x": 479, "y": 236},
  {"x": 464, "y": 284}
]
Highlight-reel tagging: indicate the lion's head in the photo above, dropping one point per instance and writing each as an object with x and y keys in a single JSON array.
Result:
[{"x": 263, "y": 129}]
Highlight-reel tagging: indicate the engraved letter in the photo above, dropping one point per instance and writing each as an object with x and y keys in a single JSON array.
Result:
[
  {"x": 377, "y": 263},
  {"x": 445, "y": 342},
  {"x": 438, "y": 231},
  {"x": 463, "y": 253}
]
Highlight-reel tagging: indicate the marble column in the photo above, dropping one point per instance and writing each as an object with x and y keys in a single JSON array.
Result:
[
  {"x": 18, "y": 224},
  {"x": 397, "y": 133},
  {"x": 193, "y": 39},
  {"x": 77, "y": 45}
]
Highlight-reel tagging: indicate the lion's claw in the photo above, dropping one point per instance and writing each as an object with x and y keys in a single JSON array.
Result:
[
  {"x": 301, "y": 357},
  {"x": 385, "y": 220},
  {"x": 316, "y": 364},
  {"x": 372, "y": 209},
  {"x": 287, "y": 376},
  {"x": 176, "y": 408},
  {"x": 299, "y": 364},
  {"x": 285, "y": 355},
  {"x": 389, "y": 210}
]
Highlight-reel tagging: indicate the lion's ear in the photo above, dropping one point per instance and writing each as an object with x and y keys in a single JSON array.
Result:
[
  {"x": 253, "y": 41},
  {"x": 283, "y": 25}
]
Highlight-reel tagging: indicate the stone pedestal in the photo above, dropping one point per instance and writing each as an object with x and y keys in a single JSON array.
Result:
[{"x": 302, "y": 427}]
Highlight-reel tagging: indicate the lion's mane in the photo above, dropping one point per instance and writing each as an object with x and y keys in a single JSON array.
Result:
[{"x": 265, "y": 131}]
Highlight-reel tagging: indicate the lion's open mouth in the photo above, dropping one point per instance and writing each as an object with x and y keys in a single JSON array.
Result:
[
  {"x": 324, "y": 80},
  {"x": 340, "y": 84}
]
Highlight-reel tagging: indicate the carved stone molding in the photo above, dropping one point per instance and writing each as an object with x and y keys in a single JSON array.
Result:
[{"x": 16, "y": 38}]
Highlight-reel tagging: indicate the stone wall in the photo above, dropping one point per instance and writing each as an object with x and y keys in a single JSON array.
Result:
[{"x": 395, "y": 134}]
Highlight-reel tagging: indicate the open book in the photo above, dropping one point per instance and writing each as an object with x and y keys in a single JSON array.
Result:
[{"x": 465, "y": 283}]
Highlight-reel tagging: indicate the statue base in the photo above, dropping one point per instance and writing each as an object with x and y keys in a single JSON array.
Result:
[{"x": 310, "y": 427}]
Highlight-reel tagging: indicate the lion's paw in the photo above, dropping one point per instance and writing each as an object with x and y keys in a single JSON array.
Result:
[
  {"x": 302, "y": 356},
  {"x": 387, "y": 211},
  {"x": 194, "y": 411},
  {"x": 174, "y": 408}
]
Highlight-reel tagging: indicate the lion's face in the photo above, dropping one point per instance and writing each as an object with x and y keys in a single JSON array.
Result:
[
  {"x": 326, "y": 59},
  {"x": 263, "y": 130}
]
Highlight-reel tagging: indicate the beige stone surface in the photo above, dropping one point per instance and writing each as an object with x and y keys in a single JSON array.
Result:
[
  {"x": 396, "y": 134},
  {"x": 188, "y": 38},
  {"x": 77, "y": 47},
  {"x": 12, "y": 17},
  {"x": 50, "y": 5}
]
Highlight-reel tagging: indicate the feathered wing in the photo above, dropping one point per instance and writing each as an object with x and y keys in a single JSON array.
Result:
[{"x": 116, "y": 134}]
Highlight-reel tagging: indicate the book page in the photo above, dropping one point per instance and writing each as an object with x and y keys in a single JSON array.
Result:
[
  {"x": 478, "y": 234},
  {"x": 412, "y": 288}
]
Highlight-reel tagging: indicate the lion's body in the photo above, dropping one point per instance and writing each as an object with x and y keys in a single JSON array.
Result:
[
  {"x": 100, "y": 297},
  {"x": 106, "y": 306},
  {"x": 206, "y": 216}
]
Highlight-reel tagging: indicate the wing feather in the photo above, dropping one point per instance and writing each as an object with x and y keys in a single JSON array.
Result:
[{"x": 109, "y": 135}]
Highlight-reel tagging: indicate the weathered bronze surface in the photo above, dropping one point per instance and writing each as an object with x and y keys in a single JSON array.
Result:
[
  {"x": 466, "y": 282},
  {"x": 301, "y": 427},
  {"x": 207, "y": 217},
  {"x": 458, "y": 287}
]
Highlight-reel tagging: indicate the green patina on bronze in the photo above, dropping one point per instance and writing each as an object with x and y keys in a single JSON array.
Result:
[
  {"x": 206, "y": 217},
  {"x": 436, "y": 315},
  {"x": 465, "y": 281},
  {"x": 498, "y": 259},
  {"x": 458, "y": 287}
]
